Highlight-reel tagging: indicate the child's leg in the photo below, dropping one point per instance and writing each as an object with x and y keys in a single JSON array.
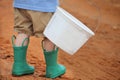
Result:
[
  {"x": 20, "y": 66},
  {"x": 48, "y": 45},
  {"x": 20, "y": 38},
  {"x": 53, "y": 69}
]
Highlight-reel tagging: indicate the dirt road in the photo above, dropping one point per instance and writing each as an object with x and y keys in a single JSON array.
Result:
[{"x": 98, "y": 59}]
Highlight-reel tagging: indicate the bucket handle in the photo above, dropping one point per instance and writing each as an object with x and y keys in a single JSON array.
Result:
[
  {"x": 99, "y": 17},
  {"x": 97, "y": 8}
]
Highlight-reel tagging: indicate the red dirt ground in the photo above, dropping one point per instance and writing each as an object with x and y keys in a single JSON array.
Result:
[{"x": 98, "y": 59}]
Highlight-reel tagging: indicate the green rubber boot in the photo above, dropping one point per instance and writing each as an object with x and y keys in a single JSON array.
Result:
[
  {"x": 20, "y": 66},
  {"x": 53, "y": 69}
]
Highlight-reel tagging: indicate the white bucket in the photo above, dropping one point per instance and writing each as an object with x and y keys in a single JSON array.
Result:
[{"x": 67, "y": 32}]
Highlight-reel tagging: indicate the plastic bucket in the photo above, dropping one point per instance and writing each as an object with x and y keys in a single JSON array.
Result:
[{"x": 67, "y": 32}]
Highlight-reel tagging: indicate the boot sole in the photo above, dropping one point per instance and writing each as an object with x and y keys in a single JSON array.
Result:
[
  {"x": 22, "y": 73},
  {"x": 56, "y": 75}
]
